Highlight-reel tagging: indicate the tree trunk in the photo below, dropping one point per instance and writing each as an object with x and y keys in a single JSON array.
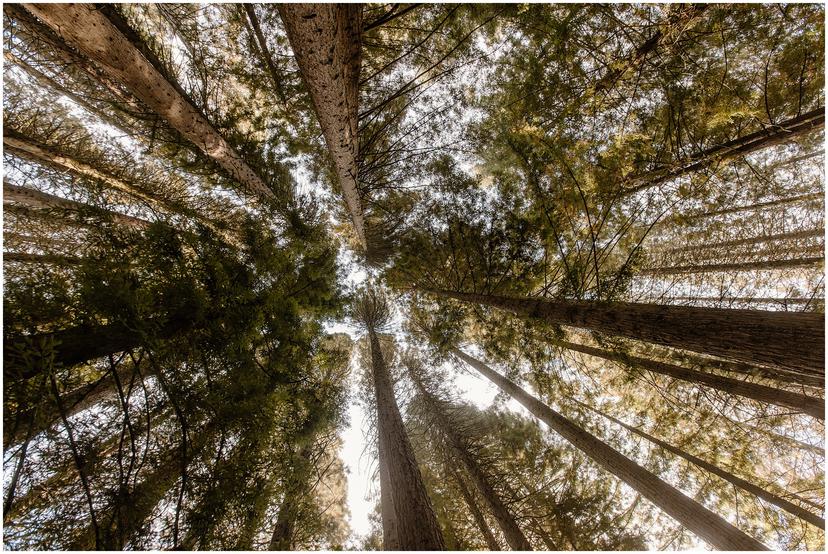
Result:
[
  {"x": 282, "y": 537},
  {"x": 794, "y": 235},
  {"x": 89, "y": 31},
  {"x": 735, "y": 266},
  {"x": 757, "y": 206},
  {"x": 390, "y": 540},
  {"x": 74, "y": 346},
  {"x": 326, "y": 41},
  {"x": 814, "y": 407},
  {"x": 40, "y": 200},
  {"x": 505, "y": 520},
  {"x": 769, "y": 136},
  {"x": 774, "y": 499},
  {"x": 788, "y": 340},
  {"x": 696, "y": 518},
  {"x": 491, "y": 542},
  {"x": 417, "y": 527},
  {"x": 259, "y": 38}
]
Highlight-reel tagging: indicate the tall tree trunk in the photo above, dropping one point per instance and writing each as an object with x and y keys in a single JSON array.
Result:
[
  {"x": 327, "y": 41},
  {"x": 814, "y": 407},
  {"x": 505, "y": 520},
  {"x": 390, "y": 539},
  {"x": 74, "y": 346},
  {"x": 806, "y": 261},
  {"x": 788, "y": 340},
  {"x": 417, "y": 527},
  {"x": 756, "y": 206},
  {"x": 89, "y": 31},
  {"x": 793, "y": 235},
  {"x": 479, "y": 520},
  {"x": 259, "y": 39},
  {"x": 769, "y": 136},
  {"x": 36, "y": 199},
  {"x": 743, "y": 484},
  {"x": 696, "y": 518}
]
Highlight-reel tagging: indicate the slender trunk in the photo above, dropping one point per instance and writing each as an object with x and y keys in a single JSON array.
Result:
[
  {"x": 788, "y": 340},
  {"x": 757, "y": 206},
  {"x": 417, "y": 527},
  {"x": 793, "y": 235},
  {"x": 505, "y": 520},
  {"x": 774, "y": 499},
  {"x": 769, "y": 136},
  {"x": 814, "y": 407},
  {"x": 42, "y": 259},
  {"x": 260, "y": 39},
  {"x": 326, "y": 41},
  {"x": 40, "y": 200},
  {"x": 480, "y": 521},
  {"x": 807, "y": 261},
  {"x": 696, "y": 518},
  {"x": 89, "y": 31},
  {"x": 74, "y": 346},
  {"x": 744, "y": 299}
]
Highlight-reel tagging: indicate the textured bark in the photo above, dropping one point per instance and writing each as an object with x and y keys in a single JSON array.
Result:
[
  {"x": 479, "y": 520},
  {"x": 390, "y": 540},
  {"x": 807, "y": 261},
  {"x": 89, "y": 31},
  {"x": 416, "y": 524},
  {"x": 505, "y": 520},
  {"x": 788, "y": 340},
  {"x": 42, "y": 259},
  {"x": 696, "y": 518},
  {"x": 36, "y": 199},
  {"x": 73, "y": 346},
  {"x": 793, "y": 235},
  {"x": 814, "y": 407},
  {"x": 758, "y": 206},
  {"x": 326, "y": 41},
  {"x": 743, "y": 484},
  {"x": 769, "y": 136}
]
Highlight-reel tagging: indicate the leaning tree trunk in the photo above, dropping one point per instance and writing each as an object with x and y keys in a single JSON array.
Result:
[
  {"x": 416, "y": 524},
  {"x": 788, "y": 340},
  {"x": 705, "y": 524},
  {"x": 474, "y": 509},
  {"x": 73, "y": 346},
  {"x": 40, "y": 200},
  {"x": 505, "y": 520},
  {"x": 814, "y": 407},
  {"x": 757, "y": 206},
  {"x": 743, "y": 484},
  {"x": 772, "y": 134},
  {"x": 793, "y": 235},
  {"x": 92, "y": 34},
  {"x": 806, "y": 261},
  {"x": 326, "y": 41}
]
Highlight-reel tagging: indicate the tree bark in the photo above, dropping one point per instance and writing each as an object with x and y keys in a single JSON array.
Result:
[
  {"x": 416, "y": 524},
  {"x": 696, "y": 518},
  {"x": 40, "y": 200},
  {"x": 814, "y": 407},
  {"x": 390, "y": 540},
  {"x": 735, "y": 266},
  {"x": 491, "y": 542},
  {"x": 92, "y": 34},
  {"x": 74, "y": 346},
  {"x": 326, "y": 41},
  {"x": 788, "y": 340},
  {"x": 758, "y": 206},
  {"x": 769, "y": 136},
  {"x": 743, "y": 484},
  {"x": 505, "y": 520},
  {"x": 282, "y": 537},
  {"x": 794, "y": 235}
]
